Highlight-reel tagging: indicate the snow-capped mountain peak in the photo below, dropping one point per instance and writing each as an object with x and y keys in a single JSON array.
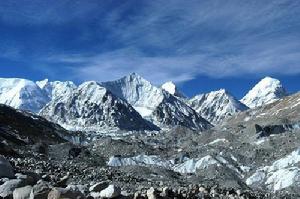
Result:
[
  {"x": 42, "y": 83},
  {"x": 155, "y": 104},
  {"x": 171, "y": 88},
  {"x": 91, "y": 107},
  {"x": 264, "y": 92},
  {"x": 57, "y": 88},
  {"x": 216, "y": 105},
  {"x": 22, "y": 94},
  {"x": 137, "y": 91}
]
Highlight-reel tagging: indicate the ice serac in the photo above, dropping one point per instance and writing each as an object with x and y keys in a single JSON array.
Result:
[
  {"x": 264, "y": 92},
  {"x": 155, "y": 104},
  {"x": 216, "y": 106},
  {"x": 171, "y": 88},
  {"x": 22, "y": 94},
  {"x": 92, "y": 107}
]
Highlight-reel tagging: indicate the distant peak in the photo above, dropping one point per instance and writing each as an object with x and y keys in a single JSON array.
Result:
[
  {"x": 222, "y": 90},
  {"x": 88, "y": 83},
  {"x": 269, "y": 79},
  {"x": 42, "y": 83},
  {"x": 266, "y": 91},
  {"x": 134, "y": 75}
]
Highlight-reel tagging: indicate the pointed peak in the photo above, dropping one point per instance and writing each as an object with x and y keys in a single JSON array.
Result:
[
  {"x": 42, "y": 83},
  {"x": 222, "y": 90},
  {"x": 269, "y": 80},
  {"x": 266, "y": 91},
  {"x": 134, "y": 75}
]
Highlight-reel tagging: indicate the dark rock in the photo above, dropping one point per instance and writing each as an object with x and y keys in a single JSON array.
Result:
[
  {"x": 41, "y": 148},
  {"x": 6, "y": 169},
  {"x": 74, "y": 152}
]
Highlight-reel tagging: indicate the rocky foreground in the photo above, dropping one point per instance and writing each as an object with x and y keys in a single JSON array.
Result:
[
  {"x": 44, "y": 180},
  {"x": 69, "y": 171}
]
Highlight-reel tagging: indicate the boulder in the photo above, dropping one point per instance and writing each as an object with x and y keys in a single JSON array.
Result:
[
  {"x": 41, "y": 190},
  {"x": 82, "y": 188},
  {"x": 8, "y": 187},
  {"x": 65, "y": 193},
  {"x": 111, "y": 191},
  {"x": 6, "y": 169},
  {"x": 99, "y": 186},
  {"x": 26, "y": 178},
  {"x": 23, "y": 193},
  {"x": 152, "y": 193}
]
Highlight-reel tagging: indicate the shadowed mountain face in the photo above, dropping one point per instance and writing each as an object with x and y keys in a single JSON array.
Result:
[
  {"x": 130, "y": 103},
  {"x": 92, "y": 107},
  {"x": 20, "y": 127},
  {"x": 156, "y": 104}
]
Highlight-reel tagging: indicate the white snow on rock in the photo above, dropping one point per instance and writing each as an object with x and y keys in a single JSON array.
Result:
[
  {"x": 137, "y": 91},
  {"x": 190, "y": 165},
  {"x": 216, "y": 105},
  {"x": 281, "y": 174},
  {"x": 171, "y": 88},
  {"x": 22, "y": 94},
  {"x": 111, "y": 191},
  {"x": 218, "y": 141},
  {"x": 264, "y": 92},
  {"x": 155, "y": 104},
  {"x": 91, "y": 107},
  {"x": 140, "y": 160},
  {"x": 56, "y": 89}
]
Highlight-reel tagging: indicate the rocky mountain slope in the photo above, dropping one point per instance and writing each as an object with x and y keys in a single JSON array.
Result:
[
  {"x": 165, "y": 107},
  {"x": 19, "y": 128},
  {"x": 216, "y": 106},
  {"x": 92, "y": 107},
  {"x": 155, "y": 104},
  {"x": 264, "y": 92},
  {"x": 22, "y": 94}
]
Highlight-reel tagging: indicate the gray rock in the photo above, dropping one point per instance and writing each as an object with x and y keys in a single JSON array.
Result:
[
  {"x": 8, "y": 187},
  {"x": 151, "y": 193},
  {"x": 26, "y": 178},
  {"x": 23, "y": 193},
  {"x": 65, "y": 193},
  {"x": 99, "y": 186},
  {"x": 41, "y": 190},
  {"x": 6, "y": 169},
  {"x": 111, "y": 191}
]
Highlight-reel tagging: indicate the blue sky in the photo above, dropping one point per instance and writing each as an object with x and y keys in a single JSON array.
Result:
[{"x": 201, "y": 45}]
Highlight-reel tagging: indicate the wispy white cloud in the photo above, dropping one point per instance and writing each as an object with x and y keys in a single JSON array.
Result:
[{"x": 177, "y": 41}]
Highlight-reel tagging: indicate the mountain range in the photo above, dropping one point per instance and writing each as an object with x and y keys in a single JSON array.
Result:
[
  {"x": 136, "y": 135},
  {"x": 131, "y": 103}
]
